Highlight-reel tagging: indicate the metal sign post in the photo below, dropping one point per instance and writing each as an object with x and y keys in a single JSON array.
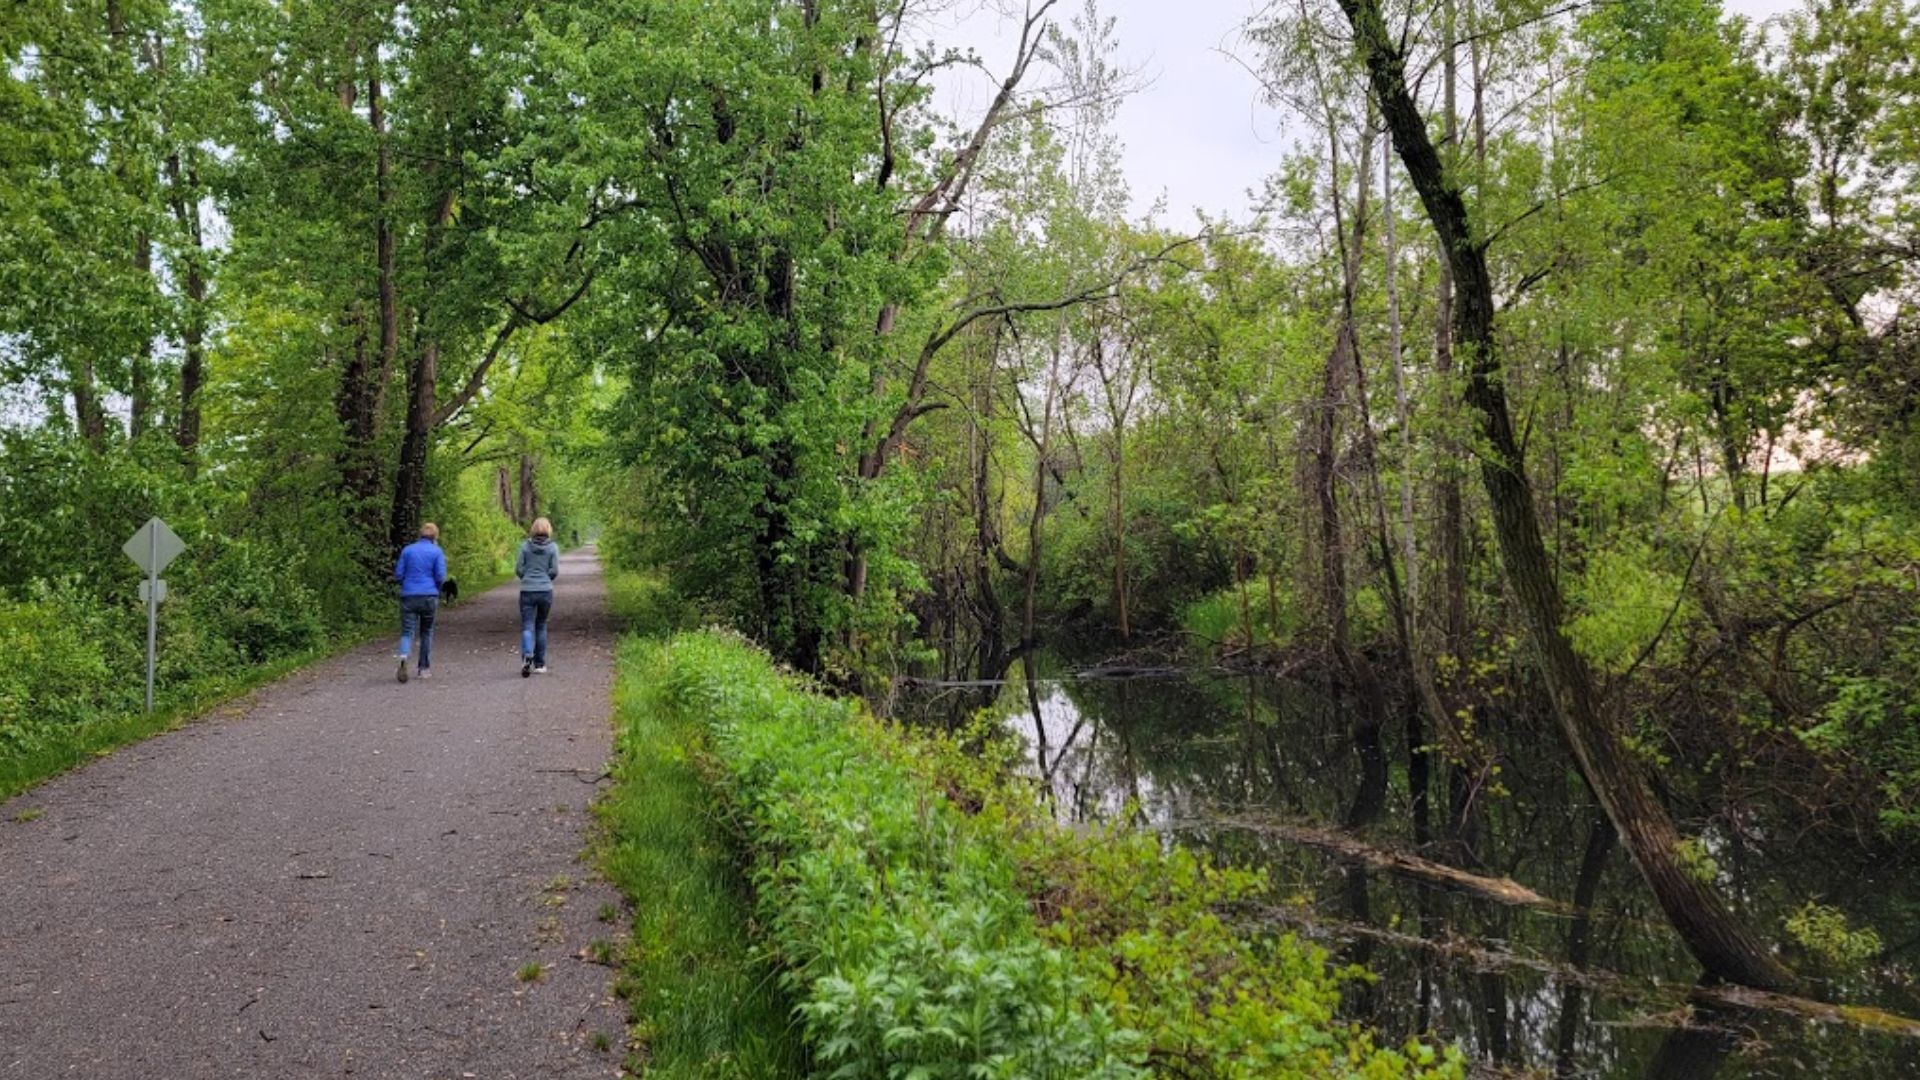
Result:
[{"x": 152, "y": 548}]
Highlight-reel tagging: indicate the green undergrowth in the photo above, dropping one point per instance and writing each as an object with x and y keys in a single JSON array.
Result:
[
  {"x": 931, "y": 922},
  {"x": 645, "y": 604}
]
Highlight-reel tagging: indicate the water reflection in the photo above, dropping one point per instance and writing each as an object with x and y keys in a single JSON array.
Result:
[{"x": 1590, "y": 985}]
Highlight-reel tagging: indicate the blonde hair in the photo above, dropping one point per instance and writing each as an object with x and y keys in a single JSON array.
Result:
[
  {"x": 543, "y": 527},
  {"x": 429, "y": 531}
]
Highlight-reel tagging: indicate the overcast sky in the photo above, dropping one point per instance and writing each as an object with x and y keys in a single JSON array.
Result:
[{"x": 1197, "y": 133}]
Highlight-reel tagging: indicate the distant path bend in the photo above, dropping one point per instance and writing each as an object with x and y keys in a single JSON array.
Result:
[{"x": 343, "y": 878}]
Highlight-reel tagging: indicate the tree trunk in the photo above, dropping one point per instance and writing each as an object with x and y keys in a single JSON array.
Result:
[
  {"x": 1733, "y": 451},
  {"x": 1593, "y": 864},
  {"x": 357, "y": 404},
  {"x": 186, "y": 213},
  {"x": 1043, "y": 445},
  {"x": 1712, "y": 934},
  {"x": 410, "y": 481},
  {"x": 1403, "y": 412},
  {"x": 986, "y": 528},
  {"x": 1452, "y": 525},
  {"x": 1117, "y": 391},
  {"x": 1120, "y": 531},
  {"x": 1426, "y": 704},
  {"x": 88, "y": 415},
  {"x": 359, "y": 428},
  {"x": 1370, "y": 715},
  {"x": 423, "y": 408},
  {"x": 130, "y": 178},
  {"x": 387, "y": 284},
  {"x": 140, "y": 405},
  {"x": 529, "y": 490}
]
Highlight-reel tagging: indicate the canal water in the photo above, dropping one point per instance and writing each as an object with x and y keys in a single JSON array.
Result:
[{"x": 1265, "y": 772}]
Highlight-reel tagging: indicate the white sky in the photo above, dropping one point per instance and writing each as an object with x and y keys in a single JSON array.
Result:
[{"x": 1198, "y": 133}]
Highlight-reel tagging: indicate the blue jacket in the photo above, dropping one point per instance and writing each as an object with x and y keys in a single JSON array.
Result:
[{"x": 421, "y": 569}]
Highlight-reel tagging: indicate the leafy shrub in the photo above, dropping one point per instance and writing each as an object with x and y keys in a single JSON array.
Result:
[
  {"x": 1220, "y": 617},
  {"x": 251, "y": 600},
  {"x": 1872, "y": 725},
  {"x": 56, "y": 671},
  {"x": 68, "y": 510},
  {"x": 1823, "y": 931},
  {"x": 934, "y": 922},
  {"x": 1169, "y": 567},
  {"x": 1623, "y": 601}
]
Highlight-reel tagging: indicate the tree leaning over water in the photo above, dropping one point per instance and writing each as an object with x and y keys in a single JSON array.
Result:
[{"x": 1724, "y": 947}]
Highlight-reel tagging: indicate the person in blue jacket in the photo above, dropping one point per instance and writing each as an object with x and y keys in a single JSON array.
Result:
[{"x": 421, "y": 571}]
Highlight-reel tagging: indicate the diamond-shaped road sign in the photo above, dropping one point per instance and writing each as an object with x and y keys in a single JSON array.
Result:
[{"x": 154, "y": 546}]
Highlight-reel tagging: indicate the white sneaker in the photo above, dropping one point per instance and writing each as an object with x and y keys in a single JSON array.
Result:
[{"x": 541, "y": 670}]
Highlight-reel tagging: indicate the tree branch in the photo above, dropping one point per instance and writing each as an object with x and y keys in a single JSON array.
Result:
[{"x": 479, "y": 377}]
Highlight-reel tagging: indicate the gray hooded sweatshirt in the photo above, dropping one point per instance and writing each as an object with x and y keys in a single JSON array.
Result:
[{"x": 538, "y": 565}]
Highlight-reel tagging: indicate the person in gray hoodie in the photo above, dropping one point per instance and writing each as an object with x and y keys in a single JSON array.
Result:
[{"x": 537, "y": 568}]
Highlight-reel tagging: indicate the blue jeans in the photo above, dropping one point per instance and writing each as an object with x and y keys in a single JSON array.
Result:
[
  {"x": 534, "y": 609},
  {"x": 418, "y": 611}
]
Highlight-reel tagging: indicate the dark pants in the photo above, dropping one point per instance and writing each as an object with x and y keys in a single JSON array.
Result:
[
  {"x": 418, "y": 611},
  {"x": 534, "y": 609}
]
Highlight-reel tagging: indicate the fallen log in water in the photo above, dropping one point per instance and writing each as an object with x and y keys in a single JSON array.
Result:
[
  {"x": 1353, "y": 849},
  {"x": 1132, "y": 671},
  {"x": 1859, "y": 1016},
  {"x": 1480, "y": 957}
]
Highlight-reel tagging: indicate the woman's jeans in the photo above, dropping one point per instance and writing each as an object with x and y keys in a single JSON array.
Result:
[
  {"x": 418, "y": 611},
  {"x": 534, "y": 609}
]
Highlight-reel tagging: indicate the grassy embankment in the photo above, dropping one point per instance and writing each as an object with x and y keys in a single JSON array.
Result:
[
  {"x": 703, "y": 1002},
  {"x": 926, "y": 917}
]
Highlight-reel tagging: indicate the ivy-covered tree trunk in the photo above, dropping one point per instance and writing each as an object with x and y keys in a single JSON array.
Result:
[
  {"x": 529, "y": 505},
  {"x": 1715, "y": 937},
  {"x": 355, "y": 409},
  {"x": 410, "y": 482},
  {"x": 362, "y": 381}
]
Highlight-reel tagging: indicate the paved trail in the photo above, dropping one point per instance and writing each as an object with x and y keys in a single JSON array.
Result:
[{"x": 341, "y": 877}]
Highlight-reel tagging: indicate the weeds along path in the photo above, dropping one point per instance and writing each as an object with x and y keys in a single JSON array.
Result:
[{"x": 346, "y": 876}]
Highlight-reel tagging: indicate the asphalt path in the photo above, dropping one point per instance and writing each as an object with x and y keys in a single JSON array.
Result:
[{"x": 339, "y": 876}]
